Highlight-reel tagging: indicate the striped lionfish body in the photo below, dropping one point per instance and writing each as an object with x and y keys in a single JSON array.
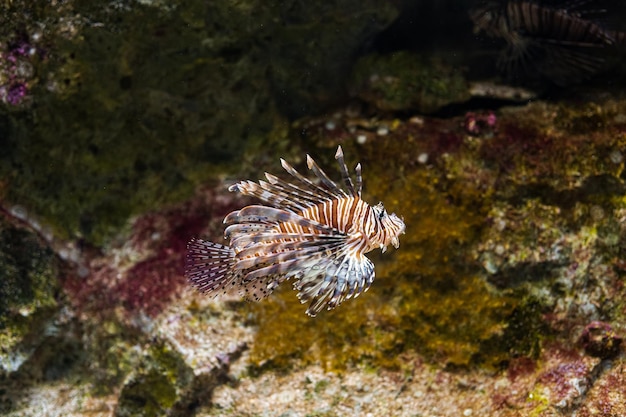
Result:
[
  {"x": 314, "y": 232},
  {"x": 563, "y": 41}
]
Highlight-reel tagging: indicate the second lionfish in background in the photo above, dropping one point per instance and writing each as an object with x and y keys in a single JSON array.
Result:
[
  {"x": 565, "y": 42},
  {"x": 313, "y": 232}
]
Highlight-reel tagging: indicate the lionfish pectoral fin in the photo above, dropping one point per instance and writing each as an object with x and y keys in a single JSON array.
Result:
[
  {"x": 272, "y": 215},
  {"x": 565, "y": 64},
  {"x": 334, "y": 280},
  {"x": 261, "y": 288},
  {"x": 209, "y": 266},
  {"x": 517, "y": 59},
  {"x": 267, "y": 260}
]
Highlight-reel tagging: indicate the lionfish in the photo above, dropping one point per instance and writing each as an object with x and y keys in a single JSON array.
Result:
[
  {"x": 311, "y": 231},
  {"x": 564, "y": 42}
]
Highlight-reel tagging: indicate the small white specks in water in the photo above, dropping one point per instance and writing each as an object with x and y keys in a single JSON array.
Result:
[
  {"x": 361, "y": 139},
  {"x": 616, "y": 157},
  {"x": 422, "y": 158},
  {"x": 499, "y": 250},
  {"x": 374, "y": 78},
  {"x": 25, "y": 312},
  {"x": 155, "y": 236},
  {"x": 417, "y": 120},
  {"x": 467, "y": 412},
  {"x": 19, "y": 212},
  {"x": 382, "y": 130},
  {"x": 330, "y": 125},
  {"x": 500, "y": 225}
]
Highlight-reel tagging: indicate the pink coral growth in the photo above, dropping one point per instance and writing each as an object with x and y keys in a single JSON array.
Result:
[
  {"x": 16, "y": 68},
  {"x": 600, "y": 340},
  {"x": 480, "y": 123},
  {"x": 159, "y": 240},
  {"x": 568, "y": 382}
]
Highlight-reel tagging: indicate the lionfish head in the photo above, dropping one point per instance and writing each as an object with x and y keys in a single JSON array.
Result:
[
  {"x": 391, "y": 228},
  {"x": 485, "y": 16}
]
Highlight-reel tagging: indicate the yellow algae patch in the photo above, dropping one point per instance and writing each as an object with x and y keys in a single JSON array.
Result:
[{"x": 427, "y": 296}]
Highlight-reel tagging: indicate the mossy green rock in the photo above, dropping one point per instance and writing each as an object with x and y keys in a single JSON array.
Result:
[
  {"x": 28, "y": 292},
  {"x": 407, "y": 81},
  {"x": 134, "y": 107}
]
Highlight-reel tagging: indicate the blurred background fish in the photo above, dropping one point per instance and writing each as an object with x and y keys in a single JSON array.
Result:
[{"x": 565, "y": 42}]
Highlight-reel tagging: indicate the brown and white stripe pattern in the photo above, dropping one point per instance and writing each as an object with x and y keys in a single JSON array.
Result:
[
  {"x": 563, "y": 41},
  {"x": 312, "y": 231}
]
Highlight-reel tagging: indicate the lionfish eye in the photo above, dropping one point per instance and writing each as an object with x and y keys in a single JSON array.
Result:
[{"x": 382, "y": 214}]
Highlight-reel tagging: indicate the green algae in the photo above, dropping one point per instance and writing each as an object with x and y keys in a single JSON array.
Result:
[
  {"x": 114, "y": 354},
  {"x": 137, "y": 110},
  {"x": 150, "y": 394},
  {"x": 130, "y": 139},
  {"x": 156, "y": 384},
  {"x": 406, "y": 81},
  {"x": 29, "y": 288}
]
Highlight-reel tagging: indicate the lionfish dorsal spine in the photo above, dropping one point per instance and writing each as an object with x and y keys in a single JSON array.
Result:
[
  {"x": 359, "y": 179},
  {"x": 324, "y": 194},
  {"x": 305, "y": 195},
  {"x": 270, "y": 194},
  {"x": 345, "y": 175},
  {"x": 330, "y": 184}
]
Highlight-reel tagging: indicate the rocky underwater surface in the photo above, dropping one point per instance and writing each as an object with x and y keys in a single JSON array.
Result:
[{"x": 122, "y": 124}]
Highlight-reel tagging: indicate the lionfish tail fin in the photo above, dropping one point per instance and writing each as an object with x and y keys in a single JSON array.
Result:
[{"x": 209, "y": 266}]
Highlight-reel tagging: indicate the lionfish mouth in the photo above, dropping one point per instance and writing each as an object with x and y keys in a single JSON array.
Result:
[{"x": 395, "y": 242}]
